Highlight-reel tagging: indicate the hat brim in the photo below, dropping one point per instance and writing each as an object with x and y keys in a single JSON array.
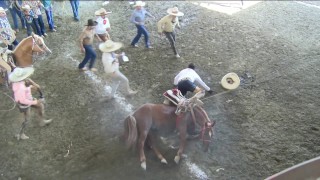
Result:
[
  {"x": 116, "y": 46},
  {"x": 97, "y": 13},
  {"x": 3, "y": 10},
  {"x": 227, "y": 85},
  {"x": 142, "y": 4},
  {"x": 175, "y": 14},
  {"x": 94, "y": 24},
  {"x": 28, "y": 71}
]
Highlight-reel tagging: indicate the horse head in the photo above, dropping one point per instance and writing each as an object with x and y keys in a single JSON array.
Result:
[
  {"x": 38, "y": 44},
  {"x": 200, "y": 117}
]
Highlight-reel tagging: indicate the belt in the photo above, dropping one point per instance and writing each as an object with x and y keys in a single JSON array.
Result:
[{"x": 186, "y": 78}]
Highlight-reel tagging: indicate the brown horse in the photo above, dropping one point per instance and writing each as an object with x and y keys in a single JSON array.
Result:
[
  {"x": 22, "y": 54},
  {"x": 148, "y": 120}
]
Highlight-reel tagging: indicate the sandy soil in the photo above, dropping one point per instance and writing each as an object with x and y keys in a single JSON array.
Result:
[{"x": 270, "y": 123}]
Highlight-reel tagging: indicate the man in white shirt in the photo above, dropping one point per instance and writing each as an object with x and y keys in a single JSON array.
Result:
[
  {"x": 111, "y": 66},
  {"x": 103, "y": 26},
  {"x": 186, "y": 78}
]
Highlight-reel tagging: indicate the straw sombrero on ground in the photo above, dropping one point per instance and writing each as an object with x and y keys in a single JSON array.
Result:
[
  {"x": 139, "y": 3},
  {"x": 19, "y": 74},
  {"x": 110, "y": 46},
  {"x": 101, "y": 12},
  {"x": 175, "y": 11},
  {"x": 230, "y": 81}
]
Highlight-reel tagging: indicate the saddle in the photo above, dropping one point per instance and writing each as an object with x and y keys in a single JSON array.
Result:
[{"x": 173, "y": 96}]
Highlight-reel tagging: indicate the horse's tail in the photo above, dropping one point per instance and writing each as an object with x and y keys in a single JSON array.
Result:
[{"x": 131, "y": 133}]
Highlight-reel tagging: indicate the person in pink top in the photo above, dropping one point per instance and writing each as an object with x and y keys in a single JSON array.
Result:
[{"x": 22, "y": 88}]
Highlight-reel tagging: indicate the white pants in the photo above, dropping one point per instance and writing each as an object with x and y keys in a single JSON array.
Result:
[{"x": 118, "y": 78}]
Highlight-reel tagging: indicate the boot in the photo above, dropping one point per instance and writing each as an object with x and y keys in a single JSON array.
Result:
[
  {"x": 21, "y": 136},
  {"x": 45, "y": 122},
  {"x": 131, "y": 92}
]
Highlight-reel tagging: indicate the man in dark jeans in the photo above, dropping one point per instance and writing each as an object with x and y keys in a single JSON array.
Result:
[
  {"x": 185, "y": 82},
  {"x": 75, "y": 7},
  {"x": 138, "y": 18},
  {"x": 15, "y": 9}
]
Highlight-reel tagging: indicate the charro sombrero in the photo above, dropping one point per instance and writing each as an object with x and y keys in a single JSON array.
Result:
[
  {"x": 110, "y": 46},
  {"x": 101, "y": 12},
  {"x": 26, "y": 7},
  {"x": 175, "y": 11},
  {"x": 19, "y": 74},
  {"x": 230, "y": 81},
  {"x": 3, "y": 10},
  {"x": 139, "y": 3}
]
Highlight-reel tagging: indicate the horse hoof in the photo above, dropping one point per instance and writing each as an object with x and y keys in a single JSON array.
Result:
[
  {"x": 164, "y": 161},
  {"x": 144, "y": 165},
  {"x": 177, "y": 159}
]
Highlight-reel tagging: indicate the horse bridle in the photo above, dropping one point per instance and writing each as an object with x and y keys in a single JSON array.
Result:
[
  {"x": 35, "y": 42},
  {"x": 205, "y": 124}
]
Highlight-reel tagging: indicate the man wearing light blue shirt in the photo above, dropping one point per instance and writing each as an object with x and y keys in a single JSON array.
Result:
[{"x": 138, "y": 18}]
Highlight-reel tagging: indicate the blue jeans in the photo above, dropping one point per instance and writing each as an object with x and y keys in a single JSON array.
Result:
[
  {"x": 31, "y": 27},
  {"x": 90, "y": 54},
  {"x": 41, "y": 25},
  {"x": 14, "y": 12},
  {"x": 141, "y": 30},
  {"x": 50, "y": 17},
  {"x": 75, "y": 6}
]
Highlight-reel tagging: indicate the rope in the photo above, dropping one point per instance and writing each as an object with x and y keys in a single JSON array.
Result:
[
  {"x": 14, "y": 104},
  {"x": 216, "y": 95}
]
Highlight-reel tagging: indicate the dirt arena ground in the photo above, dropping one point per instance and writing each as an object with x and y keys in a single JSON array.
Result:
[{"x": 268, "y": 124}]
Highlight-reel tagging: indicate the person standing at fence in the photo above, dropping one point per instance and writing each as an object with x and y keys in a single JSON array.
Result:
[
  {"x": 36, "y": 9},
  {"x": 138, "y": 18},
  {"x": 86, "y": 46},
  {"x": 48, "y": 9},
  {"x": 7, "y": 34},
  {"x": 15, "y": 9},
  {"x": 167, "y": 26},
  {"x": 28, "y": 15}
]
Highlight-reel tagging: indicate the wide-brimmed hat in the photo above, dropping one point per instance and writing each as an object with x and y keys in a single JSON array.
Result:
[
  {"x": 91, "y": 22},
  {"x": 26, "y": 7},
  {"x": 139, "y": 3},
  {"x": 230, "y": 81},
  {"x": 175, "y": 11},
  {"x": 19, "y": 74},
  {"x": 3, "y": 10},
  {"x": 101, "y": 12},
  {"x": 110, "y": 46}
]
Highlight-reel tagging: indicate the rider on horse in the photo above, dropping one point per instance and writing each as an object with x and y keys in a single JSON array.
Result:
[{"x": 186, "y": 78}]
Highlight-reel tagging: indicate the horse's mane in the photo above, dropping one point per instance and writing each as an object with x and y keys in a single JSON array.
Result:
[{"x": 21, "y": 43}]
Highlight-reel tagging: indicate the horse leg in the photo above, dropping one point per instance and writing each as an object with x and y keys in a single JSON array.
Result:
[
  {"x": 183, "y": 134},
  {"x": 141, "y": 141},
  {"x": 151, "y": 139},
  {"x": 21, "y": 134}
]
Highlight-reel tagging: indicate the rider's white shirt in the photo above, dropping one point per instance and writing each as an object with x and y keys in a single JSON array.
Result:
[
  {"x": 103, "y": 24},
  {"x": 191, "y": 75}
]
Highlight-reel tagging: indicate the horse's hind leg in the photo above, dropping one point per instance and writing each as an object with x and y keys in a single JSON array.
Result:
[
  {"x": 141, "y": 141},
  {"x": 151, "y": 141}
]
